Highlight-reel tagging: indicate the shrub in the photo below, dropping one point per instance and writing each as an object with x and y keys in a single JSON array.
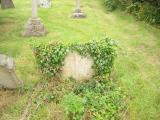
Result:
[
  {"x": 73, "y": 106},
  {"x": 133, "y": 8},
  {"x": 149, "y": 13},
  {"x": 111, "y": 4},
  {"x": 97, "y": 99},
  {"x": 114, "y": 4},
  {"x": 50, "y": 57},
  {"x": 147, "y": 10}
]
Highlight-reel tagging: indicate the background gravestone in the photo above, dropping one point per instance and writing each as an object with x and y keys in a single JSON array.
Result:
[
  {"x": 8, "y": 78},
  {"x": 44, "y": 3},
  {"x": 77, "y": 67},
  {"x": 6, "y": 4},
  {"x": 78, "y": 12}
]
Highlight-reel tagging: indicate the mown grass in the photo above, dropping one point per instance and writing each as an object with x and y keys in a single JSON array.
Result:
[{"x": 137, "y": 67}]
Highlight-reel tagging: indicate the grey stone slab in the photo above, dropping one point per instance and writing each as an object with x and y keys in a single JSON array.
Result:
[
  {"x": 8, "y": 77},
  {"x": 77, "y": 67}
]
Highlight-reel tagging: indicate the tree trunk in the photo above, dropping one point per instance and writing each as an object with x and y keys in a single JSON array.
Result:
[{"x": 6, "y": 4}]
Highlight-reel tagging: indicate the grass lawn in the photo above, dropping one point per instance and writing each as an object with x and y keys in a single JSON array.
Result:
[{"x": 137, "y": 67}]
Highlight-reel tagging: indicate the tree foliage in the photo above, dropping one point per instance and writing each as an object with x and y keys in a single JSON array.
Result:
[{"x": 147, "y": 10}]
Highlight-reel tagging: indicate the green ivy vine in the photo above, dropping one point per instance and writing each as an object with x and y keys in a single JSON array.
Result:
[{"x": 50, "y": 57}]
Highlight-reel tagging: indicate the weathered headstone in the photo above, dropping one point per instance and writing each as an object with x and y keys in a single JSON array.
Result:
[
  {"x": 45, "y": 3},
  {"x": 8, "y": 78},
  {"x": 77, "y": 67},
  {"x": 78, "y": 13},
  {"x": 6, "y": 4},
  {"x": 34, "y": 27}
]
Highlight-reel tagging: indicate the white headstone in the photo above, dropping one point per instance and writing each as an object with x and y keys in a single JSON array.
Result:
[
  {"x": 77, "y": 67},
  {"x": 45, "y": 3}
]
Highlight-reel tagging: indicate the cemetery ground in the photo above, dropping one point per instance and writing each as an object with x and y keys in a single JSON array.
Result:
[{"x": 137, "y": 67}]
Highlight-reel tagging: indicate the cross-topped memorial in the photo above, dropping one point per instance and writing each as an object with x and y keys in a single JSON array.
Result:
[
  {"x": 78, "y": 13},
  {"x": 34, "y": 27}
]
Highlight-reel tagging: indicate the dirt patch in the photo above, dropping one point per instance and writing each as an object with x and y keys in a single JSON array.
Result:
[
  {"x": 143, "y": 47},
  {"x": 154, "y": 60},
  {"x": 6, "y": 99}
]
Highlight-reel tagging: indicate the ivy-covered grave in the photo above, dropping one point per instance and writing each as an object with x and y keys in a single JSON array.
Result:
[
  {"x": 51, "y": 57},
  {"x": 98, "y": 98}
]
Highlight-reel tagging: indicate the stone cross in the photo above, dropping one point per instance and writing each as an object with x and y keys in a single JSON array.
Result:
[
  {"x": 78, "y": 4},
  {"x": 34, "y": 27},
  {"x": 34, "y": 9},
  {"x": 78, "y": 13}
]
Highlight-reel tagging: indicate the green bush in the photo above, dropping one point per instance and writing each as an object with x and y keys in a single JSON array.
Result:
[
  {"x": 73, "y": 106},
  {"x": 114, "y": 4},
  {"x": 147, "y": 10},
  {"x": 100, "y": 97},
  {"x": 111, "y": 4},
  {"x": 149, "y": 13},
  {"x": 50, "y": 57}
]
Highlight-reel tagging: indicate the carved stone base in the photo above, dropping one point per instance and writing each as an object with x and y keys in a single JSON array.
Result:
[
  {"x": 34, "y": 27},
  {"x": 78, "y": 14}
]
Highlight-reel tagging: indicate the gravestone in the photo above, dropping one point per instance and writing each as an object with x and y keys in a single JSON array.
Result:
[
  {"x": 8, "y": 78},
  {"x": 77, "y": 67},
  {"x": 78, "y": 12},
  {"x": 6, "y": 4},
  {"x": 34, "y": 26},
  {"x": 44, "y": 3}
]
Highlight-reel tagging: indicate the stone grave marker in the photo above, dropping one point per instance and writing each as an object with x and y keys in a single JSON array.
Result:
[
  {"x": 78, "y": 12},
  {"x": 34, "y": 26},
  {"x": 45, "y": 3},
  {"x": 8, "y": 78},
  {"x": 77, "y": 67}
]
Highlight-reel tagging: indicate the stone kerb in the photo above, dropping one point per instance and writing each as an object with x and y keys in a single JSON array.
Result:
[{"x": 8, "y": 78}]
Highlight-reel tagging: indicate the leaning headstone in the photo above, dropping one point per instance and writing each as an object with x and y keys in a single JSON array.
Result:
[
  {"x": 78, "y": 12},
  {"x": 44, "y": 3},
  {"x": 77, "y": 67},
  {"x": 8, "y": 78}
]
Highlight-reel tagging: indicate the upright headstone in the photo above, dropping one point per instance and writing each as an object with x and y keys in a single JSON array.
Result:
[
  {"x": 78, "y": 13},
  {"x": 8, "y": 78},
  {"x": 6, "y": 4},
  {"x": 78, "y": 67},
  {"x": 44, "y": 3},
  {"x": 34, "y": 27}
]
